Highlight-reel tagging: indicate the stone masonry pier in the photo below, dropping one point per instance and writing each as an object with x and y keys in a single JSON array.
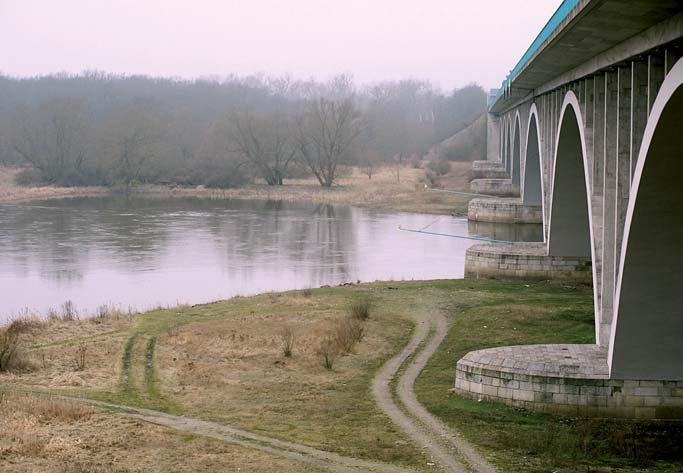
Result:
[
  {"x": 503, "y": 210},
  {"x": 524, "y": 261},
  {"x": 563, "y": 379},
  {"x": 498, "y": 187},
  {"x": 489, "y": 169}
]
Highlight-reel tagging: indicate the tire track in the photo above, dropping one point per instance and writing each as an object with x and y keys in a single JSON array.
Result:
[
  {"x": 446, "y": 447},
  {"x": 325, "y": 460}
]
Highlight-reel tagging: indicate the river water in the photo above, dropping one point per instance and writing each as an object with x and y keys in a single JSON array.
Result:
[{"x": 142, "y": 253}]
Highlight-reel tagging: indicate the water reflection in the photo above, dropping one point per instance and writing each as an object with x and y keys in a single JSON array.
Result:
[{"x": 144, "y": 252}]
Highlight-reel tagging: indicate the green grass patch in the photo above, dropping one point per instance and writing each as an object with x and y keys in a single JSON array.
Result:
[{"x": 489, "y": 313}]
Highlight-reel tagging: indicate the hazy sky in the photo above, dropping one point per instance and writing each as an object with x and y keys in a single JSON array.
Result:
[{"x": 451, "y": 42}]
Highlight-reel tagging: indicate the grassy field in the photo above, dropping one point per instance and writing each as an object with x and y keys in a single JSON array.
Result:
[{"x": 225, "y": 362}]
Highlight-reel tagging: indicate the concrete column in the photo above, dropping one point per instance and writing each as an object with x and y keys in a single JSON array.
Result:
[
  {"x": 598, "y": 182},
  {"x": 638, "y": 108},
  {"x": 609, "y": 206},
  {"x": 599, "y": 134},
  {"x": 623, "y": 183},
  {"x": 587, "y": 112},
  {"x": 547, "y": 159},
  {"x": 492, "y": 137},
  {"x": 671, "y": 55},
  {"x": 655, "y": 77}
]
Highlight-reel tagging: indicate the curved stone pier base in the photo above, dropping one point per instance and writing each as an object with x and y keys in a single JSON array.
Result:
[
  {"x": 524, "y": 261},
  {"x": 563, "y": 379},
  {"x": 503, "y": 210},
  {"x": 489, "y": 169},
  {"x": 499, "y": 187}
]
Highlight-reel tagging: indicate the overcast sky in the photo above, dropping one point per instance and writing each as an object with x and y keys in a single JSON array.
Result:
[{"x": 450, "y": 42}]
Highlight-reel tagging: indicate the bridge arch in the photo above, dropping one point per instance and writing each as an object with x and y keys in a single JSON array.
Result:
[
  {"x": 570, "y": 220},
  {"x": 648, "y": 321},
  {"x": 516, "y": 151},
  {"x": 532, "y": 184}
]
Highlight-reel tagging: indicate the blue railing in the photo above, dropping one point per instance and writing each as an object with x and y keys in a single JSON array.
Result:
[{"x": 553, "y": 23}]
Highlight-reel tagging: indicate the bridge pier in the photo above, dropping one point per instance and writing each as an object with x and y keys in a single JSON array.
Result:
[
  {"x": 524, "y": 260},
  {"x": 488, "y": 170},
  {"x": 563, "y": 379},
  {"x": 498, "y": 187},
  {"x": 503, "y": 210}
]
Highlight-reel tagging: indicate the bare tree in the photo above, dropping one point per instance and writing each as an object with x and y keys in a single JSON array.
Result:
[
  {"x": 327, "y": 131},
  {"x": 51, "y": 138},
  {"x": 133, "y": 141},
  {"x": 267, "y": 142}
]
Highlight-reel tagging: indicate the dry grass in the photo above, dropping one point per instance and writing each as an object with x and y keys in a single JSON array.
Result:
[
  {"x": 382, "y": 191},
  {"x": 41, "y": 434},
  {"x": 347, "y": 332},
  {"x": 11, "y": 192},
  {"x": 198, "y": 360},
  {"x": 287, "y": 339},
  {"x": 360, "y": 309}
]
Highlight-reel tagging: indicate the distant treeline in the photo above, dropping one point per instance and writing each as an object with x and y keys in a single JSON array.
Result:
[{"x": 101, "y": 129}]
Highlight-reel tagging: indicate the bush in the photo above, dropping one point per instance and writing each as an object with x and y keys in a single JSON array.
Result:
[
  {"x": 308, "y": 292},
  {"x": 287, "y": 341},
  {"x": 69, "y": 312},
  {"x": 432, "y": 179},
  {"x": 360, "y": 309},
  {"x": 29, "y": 177},
  {"x": 440, "y": 167},
  {"x": 347, "y": 332},
  {"x": 80, "y": 358},
  {"x": 329, "y": 351},
  {"x": 9, "y": 346}
]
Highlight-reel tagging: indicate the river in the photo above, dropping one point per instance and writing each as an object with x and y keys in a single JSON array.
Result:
[{"x": 142, "y": 253}]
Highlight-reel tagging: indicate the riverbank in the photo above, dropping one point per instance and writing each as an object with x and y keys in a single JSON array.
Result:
[
  {"x": 225, "y": 363},
  {"x": 384, "y": 191}
]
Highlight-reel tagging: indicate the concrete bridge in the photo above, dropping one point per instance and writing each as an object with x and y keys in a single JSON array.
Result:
[{"x": 585, "y": 136}]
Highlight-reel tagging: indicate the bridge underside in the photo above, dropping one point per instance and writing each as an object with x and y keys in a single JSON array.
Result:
[{"x": 595, "y": 152}]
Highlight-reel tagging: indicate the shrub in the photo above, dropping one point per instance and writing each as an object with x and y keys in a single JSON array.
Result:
[
  {"x": 69, "y": 312},
  {"x": 287, "y": 341},
  {"x": 440, "y": 167},
  {"x": 10, "y": 336},
  {"x": 360, "y": 308},
  {"x": 432, "y": 179},
  {"x": 29, "y": 177},
  {"x": 347, "y": 332},
  {"x": 307, "y": 292},
  {"x": 329, "y": 352},
  {"x": 9, "y": 346},
  {"x": 79, "y": 360}
]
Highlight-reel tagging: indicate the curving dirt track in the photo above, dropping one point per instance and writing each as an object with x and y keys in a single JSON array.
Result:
[{"x": 448, "y": 449}]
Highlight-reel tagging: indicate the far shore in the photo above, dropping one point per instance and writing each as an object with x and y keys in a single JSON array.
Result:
[{"x": 408, "y": 193}]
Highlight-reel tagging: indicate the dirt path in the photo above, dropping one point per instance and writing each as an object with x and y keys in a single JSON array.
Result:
[
  {"x": 447, "y": 449},
  {"x": 327, "y": 461}
]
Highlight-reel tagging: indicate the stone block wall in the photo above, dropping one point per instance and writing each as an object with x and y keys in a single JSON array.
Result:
[
  {"x": 488, "y": 169},
  {"x": 570, "y": 395},
  {"x": 524, "y": 261},
  {"x": 503, "y": 211},
  {"x": 498, "y": 187}
]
